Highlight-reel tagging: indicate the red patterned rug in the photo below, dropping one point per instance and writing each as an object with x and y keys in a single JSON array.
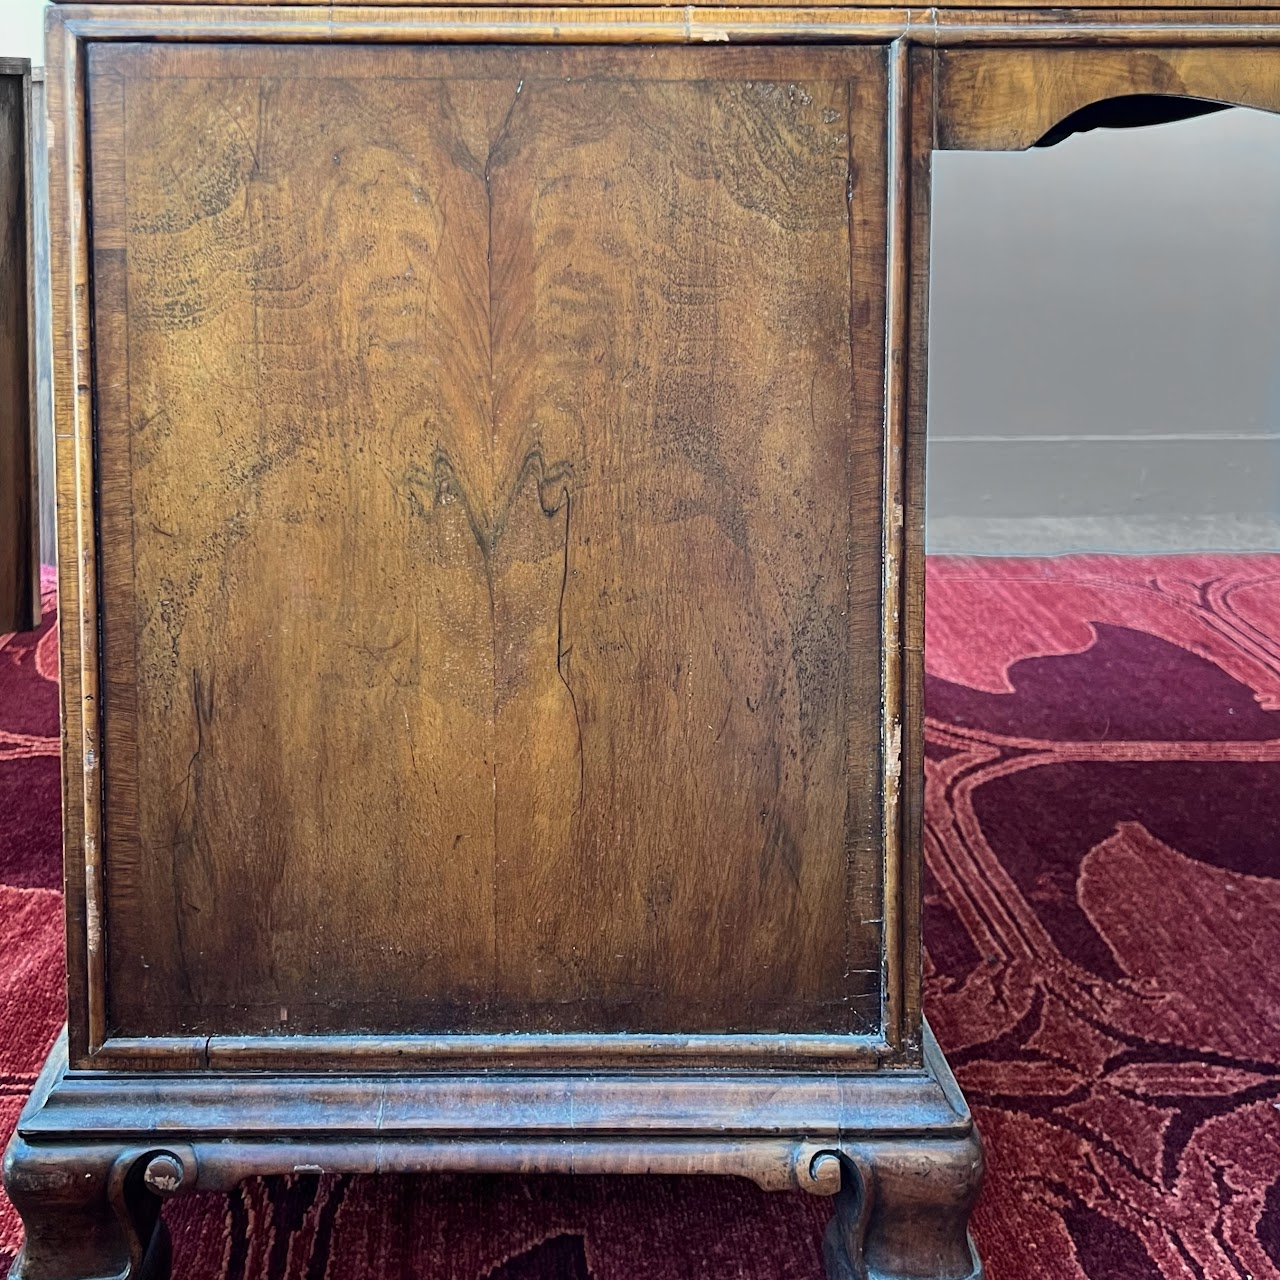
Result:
[{"x": 1103, "y": 928}]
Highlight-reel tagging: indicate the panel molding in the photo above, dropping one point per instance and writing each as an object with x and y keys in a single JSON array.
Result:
[
  {"x": 562, "y": 1050},
  {"x": 91, "y": 1044}
]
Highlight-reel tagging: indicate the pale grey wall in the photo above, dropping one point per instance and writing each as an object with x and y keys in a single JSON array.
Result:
[
  {"x": 1105, "y": 341},
  {"x": 21, "y": 29}
]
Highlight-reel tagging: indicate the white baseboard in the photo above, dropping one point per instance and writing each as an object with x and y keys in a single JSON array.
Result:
[{"x": 1128, "y": 535}]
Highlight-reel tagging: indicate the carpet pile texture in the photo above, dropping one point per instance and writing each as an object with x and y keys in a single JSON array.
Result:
[{"x": 1103, "y": 929}]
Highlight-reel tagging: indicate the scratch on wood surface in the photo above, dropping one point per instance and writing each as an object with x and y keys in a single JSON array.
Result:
[{"x": 893, "y": 761}]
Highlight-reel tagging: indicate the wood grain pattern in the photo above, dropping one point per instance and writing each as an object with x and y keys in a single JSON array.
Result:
[
  {"x": 77, "y": 548},
  {"x": 506, "y": 1051},
  {"x": 922, "y": 70},
  {"x": 945, "y": 26},
  {"x": 897, "y": 267},
  {"x": 19, "y": 510},
  {"x": 1004, "y": 9},
  {"x": 489, "y": 539},
  {"x": 1007, "y": 99},
  {"x": 94, "y": 1153}
]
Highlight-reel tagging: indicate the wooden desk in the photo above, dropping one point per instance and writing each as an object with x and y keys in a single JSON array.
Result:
[{"x": 490, "y": 511}]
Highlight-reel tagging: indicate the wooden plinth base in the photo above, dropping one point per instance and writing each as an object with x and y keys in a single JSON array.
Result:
[{"x": 96, "y": 1153}]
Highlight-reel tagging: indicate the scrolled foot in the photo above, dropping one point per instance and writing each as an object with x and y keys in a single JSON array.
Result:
[
  {"x": 902, "y": 1212},
  {"x": 92, "y": 1212}
]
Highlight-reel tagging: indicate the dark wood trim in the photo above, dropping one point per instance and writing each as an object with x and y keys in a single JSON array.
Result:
[
  {"x": 922, "y": 114},
  {"x": 42, "y": 326},
  {"x": 19, "y": 500}
]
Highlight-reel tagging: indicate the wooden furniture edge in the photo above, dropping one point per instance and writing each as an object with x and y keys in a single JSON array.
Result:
[
  {"x": 77, "y": 622},
  {"x": 769, "y": 1124},
  {"x": 475, "y": 1051},
  {"x": 692, "y": 24},
  {"x": 1002, "y": 7},
  {"x": 897, "y": 1151}
]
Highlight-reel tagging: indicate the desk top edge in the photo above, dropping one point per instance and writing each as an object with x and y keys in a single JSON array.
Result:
[{"x": 1137, "y": 9}]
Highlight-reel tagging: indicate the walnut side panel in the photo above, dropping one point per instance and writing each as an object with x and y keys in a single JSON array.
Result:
[{"x": 490, "y": 537}]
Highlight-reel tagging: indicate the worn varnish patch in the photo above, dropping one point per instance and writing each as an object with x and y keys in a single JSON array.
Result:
[{"x": 489, "y": 448}]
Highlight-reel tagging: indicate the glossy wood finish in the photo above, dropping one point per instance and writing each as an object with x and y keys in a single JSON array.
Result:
[
  {"x": 1007, "y": 10},
  {"x": 19, "y": 514},
  {"x": 945, "y": 27},
  {"x": 896, "y": 1150},
  {"x": 77, "y": 569},
  {"x": 1009, "y": 100},
  {"x": 810, "y": 1108},
  {"x": 491, "y": 527},
  {"x": 561, "y": 521}
]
